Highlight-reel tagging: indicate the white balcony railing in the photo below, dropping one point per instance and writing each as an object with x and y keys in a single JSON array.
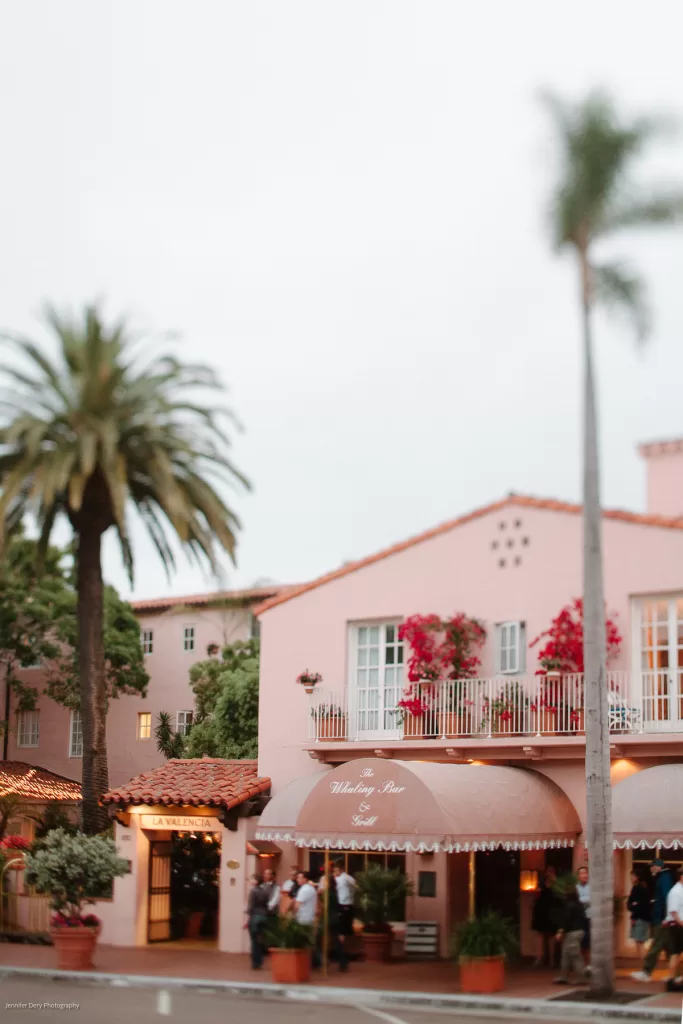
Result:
[{"x": 498, "y": 707}]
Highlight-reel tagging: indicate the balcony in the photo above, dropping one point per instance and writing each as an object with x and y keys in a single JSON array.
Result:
[{"x": 505, "y": 717}]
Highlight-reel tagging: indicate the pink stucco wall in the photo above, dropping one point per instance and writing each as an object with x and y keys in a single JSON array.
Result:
[
  {"x": 665, "y": 479},
  {"x": 455, "y": 571},
  {"x": 169, "y": 690}
]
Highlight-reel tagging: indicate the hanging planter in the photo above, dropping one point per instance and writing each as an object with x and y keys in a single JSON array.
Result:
[{"x": 309, "y": 680}]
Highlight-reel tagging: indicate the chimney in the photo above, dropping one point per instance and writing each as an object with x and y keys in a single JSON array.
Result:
[{"x": 664, "y": 462}]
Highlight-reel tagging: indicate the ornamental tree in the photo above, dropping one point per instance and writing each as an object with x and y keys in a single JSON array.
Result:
[
  {"x": 226, "y": 703},
  {"x": 442, "y": 648},
  {"x": 562, "y": 649}
]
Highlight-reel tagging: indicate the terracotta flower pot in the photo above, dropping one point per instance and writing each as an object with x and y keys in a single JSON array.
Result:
[
  {"x": 413, "y": 727},
  {"x": 455, "y": 723},
  {"x": 482, "y": 975},
  {"x": 577, "y": 722},
  {"x": 75, "y": 947},
  {"x": 193, "y": 924},
  {"x": 377, "y": 947},
  {"x": 290, "y": 966},
  {"x": 332, "y": 727}
]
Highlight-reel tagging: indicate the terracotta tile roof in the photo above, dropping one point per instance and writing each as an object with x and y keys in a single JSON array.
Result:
[
  {"x": 33, "y": 783},
  {"x": 517, "y": 500},
  {"x": 666, "y": 447},
  {"x": 248, "y": 596},
  {"x": 205, "y": 781}
]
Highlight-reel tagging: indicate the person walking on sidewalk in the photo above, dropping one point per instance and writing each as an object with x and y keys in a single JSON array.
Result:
[
  {"x": 571, "y": 935},
  {"x": 674, "y": 926},
  {"x": 306, "y": 908},
  {"x": 584, "y": 892},
  {"x": 638, "y": 905},
  {"x": 257, "y": 913},
  {"x": 546, "y": 920},
  {"x": 273, "y": 890},
  {"x": 663, "y": 885}
]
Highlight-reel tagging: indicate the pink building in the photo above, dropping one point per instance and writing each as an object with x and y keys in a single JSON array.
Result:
[{"x": 176, "y": 633}]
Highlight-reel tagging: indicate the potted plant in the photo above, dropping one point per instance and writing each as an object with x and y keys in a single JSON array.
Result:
[
  {"x": 481, "y": 946},
  {"x": 289, "y": 945},
  {"x": 379, "y": 889},
  {"x": 410, "y": 713},
  {"x": 309, "y": 680},
  {"x": 330, "y": 722},
  {"x": 68, "y": 868}
]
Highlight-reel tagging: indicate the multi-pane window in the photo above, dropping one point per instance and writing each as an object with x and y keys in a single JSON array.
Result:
[
  {"x": 183, "y": 722},
  {"x": 188, "y": 638},
  {"x": 144, "y": 725},
  {"x": 147, "y": 641},
  {"x": 378, "y": 677},
  {"x": 28, "y": 728},
  {"x": 511, "y": 647},
  {"x": 75, "y": 734},
  {"x": 354, "y": 863},
  {"x": 660, "y": 628}
]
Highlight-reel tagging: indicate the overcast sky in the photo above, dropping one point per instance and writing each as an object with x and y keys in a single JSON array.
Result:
[{"x": 342, "y": 207}]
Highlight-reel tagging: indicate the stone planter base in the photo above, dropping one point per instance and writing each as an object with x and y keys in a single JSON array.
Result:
[
  {"x": 75, "y": 947},
  {"x": 377, "y": 947},
  {"x": 290, "y": 966},
  {"x": 482, "y": 975}
]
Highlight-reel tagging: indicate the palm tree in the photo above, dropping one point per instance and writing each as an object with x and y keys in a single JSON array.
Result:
[
  {"x": 99, "y": 430},
  {"x": 594, "y": 199}
]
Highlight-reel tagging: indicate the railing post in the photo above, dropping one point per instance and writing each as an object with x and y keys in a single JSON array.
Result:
[{"x": 489, "y": 687}]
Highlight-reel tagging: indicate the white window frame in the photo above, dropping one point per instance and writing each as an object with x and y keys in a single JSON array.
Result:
[
  {"x": 28, "y": 728},
  {"x": 646, "y": 682},
  {"x": 183, "y": 721},
  {"x": 189, "y": 635},
  {"x": 147, "y": 640},
  {"x": 360, "y": 715},
  {"x": 75, "y": 733},
  {"x": 510, "y": 656},
  {"x": 141, "y": 715}
]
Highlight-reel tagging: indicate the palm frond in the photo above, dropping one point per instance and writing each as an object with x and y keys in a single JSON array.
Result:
[{"x": 621, "y": 290}]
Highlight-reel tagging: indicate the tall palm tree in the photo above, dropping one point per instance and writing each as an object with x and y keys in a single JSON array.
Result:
[
  {"x": 99, "y": 430},
  {"x": 594, "y": 199}
]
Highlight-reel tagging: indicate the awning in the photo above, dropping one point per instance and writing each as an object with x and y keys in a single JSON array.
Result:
[
  {"x": 646, "y": 809},
  {"x": 264, "y": 847},
  {"x": 381, "y": 804}
]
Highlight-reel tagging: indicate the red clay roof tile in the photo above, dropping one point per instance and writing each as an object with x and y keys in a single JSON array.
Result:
[
  {"x": 205, "y": 781},
  {"x": 249, "y": 596},
  {"x": 33, "y": 783},
  {"x": 516, "y": 500}
]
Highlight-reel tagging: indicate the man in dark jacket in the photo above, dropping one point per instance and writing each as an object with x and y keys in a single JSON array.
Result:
[
  {"x": 663, "y": 885},
  {"x": 571, "y": 935}
]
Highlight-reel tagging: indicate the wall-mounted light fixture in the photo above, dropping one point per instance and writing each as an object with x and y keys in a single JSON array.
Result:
[{"x": 528, "y": 881}]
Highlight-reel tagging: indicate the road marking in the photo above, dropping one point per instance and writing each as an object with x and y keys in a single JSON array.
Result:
[
  {"x": 379, "y": 1013},
  {"x": 164, "y": 1002}
]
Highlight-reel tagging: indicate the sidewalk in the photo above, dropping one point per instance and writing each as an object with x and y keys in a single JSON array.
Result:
[{"x": 197, "y": 962}]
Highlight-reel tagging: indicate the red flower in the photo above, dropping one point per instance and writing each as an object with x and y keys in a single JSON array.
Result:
[
  {"x": 563, "y": 650},
  {"x": 14, "y": 843}
]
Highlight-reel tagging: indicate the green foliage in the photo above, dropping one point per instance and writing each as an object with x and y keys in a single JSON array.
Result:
[
  {"x": 378, "y": 889},
  {"x": 169, "y": 742},
  {"x": 565, "y": 884},
  {"x": 54, "y": 817},
  {"x": 70, "y": 868},
  {"x": 286, "y": 932},
  {"x": 489, "y": 935},
  {"x": 226, "y": 700},
  {"x": 12, "y": 806},
  {"x": 105, "y": 423}
]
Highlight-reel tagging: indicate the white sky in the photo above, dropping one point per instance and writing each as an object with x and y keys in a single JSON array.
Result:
[{"x": 340, "y": 205}]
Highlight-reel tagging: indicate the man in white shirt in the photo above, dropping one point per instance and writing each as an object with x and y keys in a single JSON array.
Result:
[
  {"x": 346, "y": 893},
  {"x": 306, "y": 908},
  {"x": 273, "y": 890},
  {"x": 584, "y": 891},
  {"x": 674, "y": 924}
]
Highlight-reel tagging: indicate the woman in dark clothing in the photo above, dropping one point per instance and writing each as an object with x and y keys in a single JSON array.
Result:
[
  {"x": 545, "y": 921},
  {"x": 638, "y": 905},
  {"x": 257, "y": 914}
]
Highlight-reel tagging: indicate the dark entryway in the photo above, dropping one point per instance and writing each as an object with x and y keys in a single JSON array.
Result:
[
  {"x": 183, "y": 887},
  {"x": 497, "y": 883}
]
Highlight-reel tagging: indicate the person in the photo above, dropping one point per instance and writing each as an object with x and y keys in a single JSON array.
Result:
[
  {"x": 545, "y": 920},
  {"x": 346, "y": 895},
  {"x": 571, "y": 934},
  {"x": 658, "y": 911},
  {"x": 257, "y": 913},
  {"x": 638, "y": 905},
  {"x": 584, "y": 892},
  {"x": 273, "y": 890},
  {"x": 674, "y": 925},
  {"x": 306, "y": 907},
  {"x": 290, "y": 887}
]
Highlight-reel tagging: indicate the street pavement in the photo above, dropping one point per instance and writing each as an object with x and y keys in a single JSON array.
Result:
[{"x": 49, "y": 1001}]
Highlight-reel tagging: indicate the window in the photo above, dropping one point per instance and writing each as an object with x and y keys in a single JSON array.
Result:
[
  {"x": 377, "y": 677},
  {"x": 144, "y": 725},
  {"x": 75, "y": 735},
  {"x": 188, "y": 638},
  {"x": 354, "y": 863},
  {"x": 147, "y": 641},
  {"x": 511, "y": 653},
  {"x": 254, "y": 627},
  {"x": 183, "y": 722},
  {"x": 659, "y": 622},
  {"x": 28, "y": 728}
]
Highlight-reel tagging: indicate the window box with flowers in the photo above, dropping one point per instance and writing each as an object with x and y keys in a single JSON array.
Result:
[
  {"x": 560, "y": 707},
  {"x": 331, "y": 722},
  {"x": 443, "y": 655},
  {"x": 309, "y": 680}
]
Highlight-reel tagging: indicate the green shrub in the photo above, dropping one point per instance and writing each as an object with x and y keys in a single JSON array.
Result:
[
  {"x": 71, "y": 868},
  {"x": 489, "y": 935},
  {"x": 378, "y": 890},
  {"x": 287, "y": 933}
]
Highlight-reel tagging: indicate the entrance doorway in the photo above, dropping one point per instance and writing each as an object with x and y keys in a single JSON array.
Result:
[
  {"x": 184, "y": 887},
  {"x": 497, "y": 883}
]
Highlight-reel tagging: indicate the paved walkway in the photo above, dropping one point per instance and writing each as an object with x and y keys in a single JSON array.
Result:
[{"x": 204, "y": 962}]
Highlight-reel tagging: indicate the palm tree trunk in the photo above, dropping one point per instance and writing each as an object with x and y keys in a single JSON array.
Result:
[
  {"x": 92, "y": 677},
  {"x": 598, "y": 783}
]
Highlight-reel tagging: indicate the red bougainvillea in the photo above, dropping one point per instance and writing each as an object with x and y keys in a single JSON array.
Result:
[
  {"x": 14, "y": 843},
  {"x": 563, "y": 647},
  {"x": 439, "y": 649}
]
